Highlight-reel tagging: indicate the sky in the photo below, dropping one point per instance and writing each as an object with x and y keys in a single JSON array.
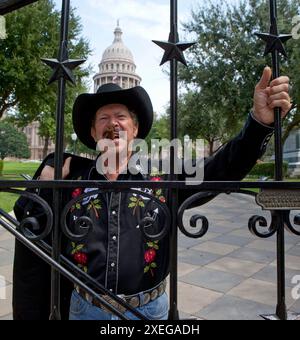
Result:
[{"x": 141, "y": 21}]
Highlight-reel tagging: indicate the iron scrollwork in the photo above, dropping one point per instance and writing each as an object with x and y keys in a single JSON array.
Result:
[
  {"x": 271, "y": 230},
  {"x": 32, "y": 223},
  {"x": 276, "y": 200},
  {"x": 204, "y": 198},
  {"x": 151, "y": 212},
  {"x": 289, "y": 225}
]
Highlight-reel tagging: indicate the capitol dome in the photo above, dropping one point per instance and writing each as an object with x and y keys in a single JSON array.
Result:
[
  {"x": 117, "y": 51},
  {"x": 117, "y": 65}
]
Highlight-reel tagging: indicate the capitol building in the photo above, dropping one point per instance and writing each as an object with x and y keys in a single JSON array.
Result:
[{"x": 117, "y": 65}]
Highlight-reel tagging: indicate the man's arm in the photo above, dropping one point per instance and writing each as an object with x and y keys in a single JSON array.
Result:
[
  {"x": 31, "y": 288},
  {"x": 236, "y": 159},
  {"x": 31, "y": 275}
]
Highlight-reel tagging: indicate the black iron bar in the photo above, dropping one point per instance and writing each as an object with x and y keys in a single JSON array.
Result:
[
  {"x": 225, "y": 187},
  {"x": 173, "y": 199},
  {"x": 281, "y": 310},
  {"x": 58, "y": 164},
  {"x": 277, "y": 111}
]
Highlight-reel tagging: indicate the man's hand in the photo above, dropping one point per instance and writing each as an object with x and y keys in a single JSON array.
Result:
[
  {"x": 48, "y": 172},
  {"x": 271, "y": 95}
]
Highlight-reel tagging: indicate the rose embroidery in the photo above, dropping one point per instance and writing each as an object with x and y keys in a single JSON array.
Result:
[
  {"x": 79, "y": 256},
  {"x": 77, "y": 192},
  {"x": 159, "y": 195},
  {"x": 150, "y": 257},
  {"x": 156, "y": 179},
  {"x": 158, "y": 192}
]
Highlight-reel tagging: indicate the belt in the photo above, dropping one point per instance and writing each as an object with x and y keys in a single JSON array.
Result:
[{"x": 135, "y": 301}]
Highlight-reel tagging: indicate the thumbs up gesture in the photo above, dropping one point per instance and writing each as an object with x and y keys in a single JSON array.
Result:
[{"x": 269, "y": 95}]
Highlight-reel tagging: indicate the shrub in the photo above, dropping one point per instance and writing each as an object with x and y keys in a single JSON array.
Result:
[{"x": 267, "y": 170}]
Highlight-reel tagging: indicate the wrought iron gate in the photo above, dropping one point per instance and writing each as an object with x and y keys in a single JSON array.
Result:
[{"x": 278, "y": 197}]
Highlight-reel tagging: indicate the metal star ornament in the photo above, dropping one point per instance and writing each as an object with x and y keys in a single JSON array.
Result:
[
  {"x": 275, "y": 41},
  {"x": 173, "y": 50},
  {"x": 63, "y": 67}
]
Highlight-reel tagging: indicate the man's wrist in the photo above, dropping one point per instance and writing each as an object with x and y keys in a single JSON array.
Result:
[{"x": 252, "y": 115}]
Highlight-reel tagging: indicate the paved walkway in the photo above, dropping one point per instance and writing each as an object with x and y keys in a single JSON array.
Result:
[{"x": 228, "y": 274}]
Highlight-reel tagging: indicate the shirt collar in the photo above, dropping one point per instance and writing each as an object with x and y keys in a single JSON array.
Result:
[{"x": 136, "y": 169}]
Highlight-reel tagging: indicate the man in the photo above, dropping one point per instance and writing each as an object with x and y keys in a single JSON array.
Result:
[{"x": 115, "y": 252}]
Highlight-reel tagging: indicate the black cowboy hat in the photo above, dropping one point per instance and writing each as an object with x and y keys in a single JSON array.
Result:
[{"x": 86, "y": 105}]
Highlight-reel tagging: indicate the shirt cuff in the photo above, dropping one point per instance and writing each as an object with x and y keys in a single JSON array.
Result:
[
  {"x": 260, "y": 123},
  {"x": 258, "y": 134}
]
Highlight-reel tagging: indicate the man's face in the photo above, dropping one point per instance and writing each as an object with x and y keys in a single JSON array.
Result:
[{"x": 112, "y": 122}]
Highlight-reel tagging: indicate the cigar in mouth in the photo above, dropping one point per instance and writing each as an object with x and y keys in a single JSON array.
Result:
[{"x": 112, "y": 134}]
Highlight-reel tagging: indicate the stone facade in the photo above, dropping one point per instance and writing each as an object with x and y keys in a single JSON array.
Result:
[{"x": 35, "y": 142}]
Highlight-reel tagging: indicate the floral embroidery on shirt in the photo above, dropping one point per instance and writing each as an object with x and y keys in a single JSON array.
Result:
[
  {"x": 159, "y": 195},
  {"x": 79, "y": 256},
  {"x": 95, "y": 206},
  {"x": 136, "y": 201},
  {"x": 76, "y": 193},
  {"x": 150, "y": 257},
  {"x": 158, "y": 192}
]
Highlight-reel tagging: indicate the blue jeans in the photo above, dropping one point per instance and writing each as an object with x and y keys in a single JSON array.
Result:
[{"x": 80, "y": 309}]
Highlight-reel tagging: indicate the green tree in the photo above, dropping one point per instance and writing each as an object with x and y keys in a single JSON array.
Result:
[
  {"x": 13, "y": 143},
  {"x": 81, "y": 149},
  {"x": 160, "y": 128},
  {"x": 200, "y": 120},
  {"x": 227, "y": 61},
  {"x": 33, "y": 32}
]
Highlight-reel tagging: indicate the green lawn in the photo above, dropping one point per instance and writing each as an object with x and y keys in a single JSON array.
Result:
[{"x": 13, "y": 171}]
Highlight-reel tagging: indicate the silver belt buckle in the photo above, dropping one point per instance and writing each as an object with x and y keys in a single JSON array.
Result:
[
  {"x": 161, "y": 289},
  {"x": 147, "y": 299},
  {"x": 134, "y": 302},
  {"x": 113, "y": 303},
  {"x": 154, "y": 294}
]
